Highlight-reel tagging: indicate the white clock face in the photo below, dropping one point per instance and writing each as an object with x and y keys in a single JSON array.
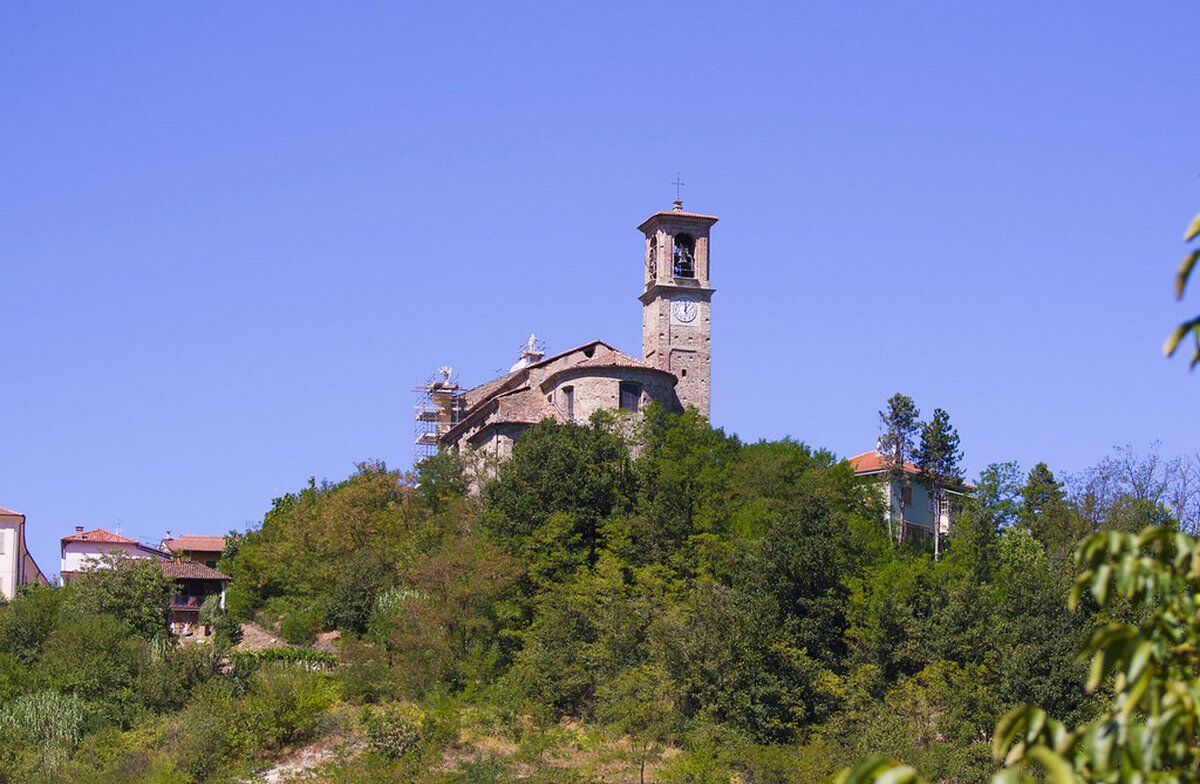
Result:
[{"x": 685, "y": 310}]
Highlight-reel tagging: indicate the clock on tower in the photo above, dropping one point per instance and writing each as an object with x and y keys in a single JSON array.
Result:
[{"x": 677, "y": 301}]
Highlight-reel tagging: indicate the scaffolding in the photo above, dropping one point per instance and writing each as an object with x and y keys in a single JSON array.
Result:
[{"x": 440, "y": 405}]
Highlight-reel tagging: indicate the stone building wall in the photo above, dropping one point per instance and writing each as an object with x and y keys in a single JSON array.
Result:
[{"x": 597, "y": 389}]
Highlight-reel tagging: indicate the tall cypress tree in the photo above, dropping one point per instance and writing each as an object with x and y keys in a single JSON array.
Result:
[
  {"x": 938, "y": 458},
  {"x": 898, "y": 424}
]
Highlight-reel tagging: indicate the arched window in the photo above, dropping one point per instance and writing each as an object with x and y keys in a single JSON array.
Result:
[
  {"x": 685, "y": 256},
  {"x": 652, "y": 260}
]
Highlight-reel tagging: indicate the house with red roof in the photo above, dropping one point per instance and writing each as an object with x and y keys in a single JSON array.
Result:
[
  {"x": 194, "y": 581},
  {"x": 916, "y": 491},
  {"x": 17, "y": 566},
  {"x": 190, "y": 547},
  {"x": 82, "y": 550}
]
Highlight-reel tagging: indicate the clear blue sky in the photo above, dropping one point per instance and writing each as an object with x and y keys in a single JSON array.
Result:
[{"x": 233, "y": 237}]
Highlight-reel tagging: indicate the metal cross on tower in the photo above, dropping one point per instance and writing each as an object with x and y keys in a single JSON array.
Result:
[{"x": 678, "y": 183}]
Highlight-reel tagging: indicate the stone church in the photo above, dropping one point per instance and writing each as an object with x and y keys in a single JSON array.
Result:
[{"x": 675, "y": 368}]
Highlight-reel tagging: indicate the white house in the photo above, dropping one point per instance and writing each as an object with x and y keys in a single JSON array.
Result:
[
  {"x": 17, "y": 566},
  {"x": 919, "y": 513},
  {"x": 84, "y": 548}
]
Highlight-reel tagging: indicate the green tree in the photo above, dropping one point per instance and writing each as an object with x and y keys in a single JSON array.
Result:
[
  {"x": 1047, "y": 514},
  {"x": 735, "y": 665},
  {"x": 311, "y": 543},
  {"x": 27, "y": 621},
  {"x": 938, "y": 458},
  {"x": 96, "y": 658},
  {"x": 132, "y": 590},
  {"x": 1147, "y": 729},
  {"x": 639, "y": 704},
  {"x": 572, "y": 469},
  {"x": 899, "y": 422}
]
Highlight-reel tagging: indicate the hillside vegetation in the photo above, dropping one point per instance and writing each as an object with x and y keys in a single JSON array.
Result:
[{"x": 694, "y": 609}]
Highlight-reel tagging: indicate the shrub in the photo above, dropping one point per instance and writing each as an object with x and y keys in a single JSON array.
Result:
[
  {"x": 364, "y": 674},
  {"x": 300, "y": 625},
  {"x": 204, "y": 735},
  {"x": 393, "y": 733},
  {"x": 490, "y": 769},
  {"x": 227, "y": 632},
  {"x": 285, "y": 704},
  {"x": 172, "y": 672},
  {"x": 244, "y": 664}
]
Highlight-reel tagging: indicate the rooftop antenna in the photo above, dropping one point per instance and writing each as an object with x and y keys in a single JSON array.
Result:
[{"x": 678, "y": 183}]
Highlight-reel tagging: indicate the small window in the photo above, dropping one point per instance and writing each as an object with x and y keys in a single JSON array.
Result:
[
  {"x": 631, "y": 396},
  {"x": 569, "y": 402},
  {"x": 685, "y": 256},
  {"x": 906, "y": 494},
  {"x": 683, "y": 373}
]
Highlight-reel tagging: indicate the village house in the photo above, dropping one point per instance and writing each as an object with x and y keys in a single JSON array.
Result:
[
  {"x": 194, "y": 580},
  {"x": 920, "y": 513},
  {"x": 202, "y": 549},
  {"x": 82, "y": 550},
  {"x": 17, "y": 566}
]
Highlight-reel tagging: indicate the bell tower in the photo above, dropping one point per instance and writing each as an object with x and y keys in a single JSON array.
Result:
[{"x": 677, "y": 301}]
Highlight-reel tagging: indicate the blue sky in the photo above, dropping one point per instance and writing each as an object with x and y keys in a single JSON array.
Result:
[{"x": 233, "y": 237}]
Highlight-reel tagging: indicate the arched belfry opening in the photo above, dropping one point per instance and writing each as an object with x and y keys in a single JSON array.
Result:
[{"x": 685, "y": 256}]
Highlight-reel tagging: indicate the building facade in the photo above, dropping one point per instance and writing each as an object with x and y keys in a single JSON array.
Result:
[
  {"x": 83, "y": 550},
  {"x": 17, "y": 566}
]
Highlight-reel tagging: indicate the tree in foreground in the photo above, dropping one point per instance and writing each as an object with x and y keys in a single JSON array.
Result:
[
  {"x": 1148, "y": 731},
  {"x": 1191, "y": 326}
]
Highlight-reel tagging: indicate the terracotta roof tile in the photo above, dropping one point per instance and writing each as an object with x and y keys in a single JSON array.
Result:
[
  {"x": 870, "y": 462},
  {"x": 526, "y": 406},
  {"x": 190, "y": 542},
  {"x": 98, "y": 535},
  {"x": 189, "y": 570},
  {"x": 4, "y": 511},
  {"x": 612, "y": 358}
]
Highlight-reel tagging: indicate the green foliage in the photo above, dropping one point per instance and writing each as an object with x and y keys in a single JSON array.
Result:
[
  {"x": 1146, "y": 732},
  {"x": 364, "y": 673},
  {"x": 310, "y": 538},
  {"x": 285, "y": 705},
  {"x": 226, "y": 629},
  {"x": 300, "y": 625},
  {"x": 27, "y": 621},
  {"x": 660, "y": 598},
  {"x": 393, "y": 733},
  {"x": 899, "y": 423},
  {"x": 132, "y": 590},
  {"x": 639, "y": 704},
  {"x": 46, "y": 725},
  {"x": 95, "y": 658},
  {"x": 576, "y": 470}
]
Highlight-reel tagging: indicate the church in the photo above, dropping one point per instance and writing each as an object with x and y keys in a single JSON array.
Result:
[{"x": 675, "y": 368}]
